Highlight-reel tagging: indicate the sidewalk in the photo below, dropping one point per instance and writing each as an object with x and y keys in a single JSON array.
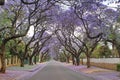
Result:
[
  {"x": 16, "y": 73},
  {"x": 96, "y": 73}
]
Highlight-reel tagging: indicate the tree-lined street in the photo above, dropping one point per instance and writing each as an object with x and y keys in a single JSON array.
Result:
[
  {"x": 57, "y": 71},
  {"x": 79, "y": 33}
]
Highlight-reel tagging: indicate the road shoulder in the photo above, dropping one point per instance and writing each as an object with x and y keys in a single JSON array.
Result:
[{"x": 95, "y": 72}]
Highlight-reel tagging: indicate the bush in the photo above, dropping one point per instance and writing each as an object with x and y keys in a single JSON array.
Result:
[{"x": 118, "y": 67}]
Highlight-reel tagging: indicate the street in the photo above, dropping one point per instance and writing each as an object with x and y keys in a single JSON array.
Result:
[{"x": 56, "y": 71}]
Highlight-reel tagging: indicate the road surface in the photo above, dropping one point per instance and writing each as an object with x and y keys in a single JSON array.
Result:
[{"x": 56, "y": 71}]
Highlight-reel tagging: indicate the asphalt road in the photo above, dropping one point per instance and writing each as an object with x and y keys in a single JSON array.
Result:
[{"x": 56, "y": 71}]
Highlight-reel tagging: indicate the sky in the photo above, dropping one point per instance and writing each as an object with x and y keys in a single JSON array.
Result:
[
  {"x": 30, "y": 32},
  {"x": 111, "y": 3}
]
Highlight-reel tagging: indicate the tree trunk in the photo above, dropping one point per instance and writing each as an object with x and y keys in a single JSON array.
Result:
[
  {"x": 118, "y": 56},
  {"x": 119, "y": 52},
  {"x": 82, "y": 61},
  {"x": 35, "y": 59},
  {"x": 67, "y": 59},
  {"x": 22, "y": 63},
  {"x": 113, "y": 50},
  {"x": 3, "y": 63},
  {"x": 41, "y": 58},
  {"x": 118, "y": 49},
  {"x": 88, "y": 61},
  {"x": 30, "y": 61},
  {"x": 7, "y": 61},
  {"x": 77, "y": 60},
  {"x": 73, "y": 60},
  {"x": 12, "y": 59}
]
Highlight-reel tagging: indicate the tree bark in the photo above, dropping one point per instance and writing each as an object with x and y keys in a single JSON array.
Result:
[
  {"x": 12, "y": 59},
  {"x": 77, "y": 60},
  {"x": 35, "y": 59},
  {"x": 88, "y": 61},
  {"x": 30, "y": 61},
  {"x": 7, "y": 61},
  {"x": 118, "y": 49},
  {"x": 82, "y": 61},
  {"x": 68, "y": 59},
  {"x": 22, "y": 63},
  {"x": 41, "y": 58},
  {"x": 3, "y": 62},
  {"x": 118, "y": 52},
  {"x": 73, "y": 60}
]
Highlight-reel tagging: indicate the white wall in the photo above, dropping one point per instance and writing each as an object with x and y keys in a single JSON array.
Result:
[{"x": 104, "y": 60}]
